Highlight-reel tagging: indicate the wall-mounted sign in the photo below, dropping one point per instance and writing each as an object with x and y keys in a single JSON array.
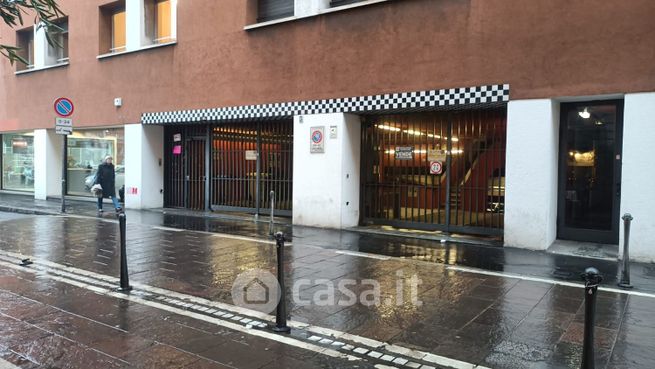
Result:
[
  {"x": 317, "y": 140},
  {"x": 177, "y": 137},
  {"x": 333, "y": 132},
  {"x": 436, "y": 167},
  {"x": 404, "y": 153},
  {"x": 177, "y": 150},
  {"x": 251, "y": 155},
  {"x": 436, "y": 155}
]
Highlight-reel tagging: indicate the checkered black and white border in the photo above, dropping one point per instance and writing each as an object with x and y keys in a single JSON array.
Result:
[{"x": 386, "y": 103}]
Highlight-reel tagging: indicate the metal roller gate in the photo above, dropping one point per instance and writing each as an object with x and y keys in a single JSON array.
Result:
[{"x": 435, "y": 171}]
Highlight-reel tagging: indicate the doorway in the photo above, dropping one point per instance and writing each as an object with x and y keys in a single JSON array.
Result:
[
  {"x": 591, "y": 136},
  {"x": 435, "y": 171},
  {"x": 184, "y": 185}
]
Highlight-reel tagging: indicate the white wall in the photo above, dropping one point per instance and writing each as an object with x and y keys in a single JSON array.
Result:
[
  {"x": 309, "y": 7},
  {"x": 531, "y": 173},
  {"x": 638, "y": 175},
  {"x": 47, "y": 163},
  {"x": 326, "y": 186},
  {"x": 144, "y": 170}
]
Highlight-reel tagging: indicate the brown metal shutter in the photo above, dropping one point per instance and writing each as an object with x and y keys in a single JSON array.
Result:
[{"x": 274, "y": 9}]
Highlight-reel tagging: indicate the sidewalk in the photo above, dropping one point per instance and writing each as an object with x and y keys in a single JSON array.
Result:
[
  {"x": 482, "y": 256},
  {"x": 182, "y": 310}
]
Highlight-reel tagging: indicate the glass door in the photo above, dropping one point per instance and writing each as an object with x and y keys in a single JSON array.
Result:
[{"x": 590, "y": 171}]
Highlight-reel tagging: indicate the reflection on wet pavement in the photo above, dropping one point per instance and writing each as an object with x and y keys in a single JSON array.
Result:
[{"x": 491, "y": 320}]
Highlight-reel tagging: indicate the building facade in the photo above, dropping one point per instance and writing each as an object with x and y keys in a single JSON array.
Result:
[{"x": 527, "y": 122}]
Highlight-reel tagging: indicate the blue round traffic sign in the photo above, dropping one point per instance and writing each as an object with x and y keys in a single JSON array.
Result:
[{"x": 64, "y": 107}]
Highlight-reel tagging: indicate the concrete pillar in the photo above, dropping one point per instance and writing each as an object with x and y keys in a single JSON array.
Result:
[
  {"x": 326, "y": 185},
  {"x": 135, "y": 24},
  {"x": 144, "y": 168},
  {"x": 638, "y": 176},
  {"x": 40, "y": 48},
  {"x": 47, "y": 163},
  {"x": 531, "y": 173},
  {"x": 306, "y": 8},
  {"x": 174, "y": 19}
]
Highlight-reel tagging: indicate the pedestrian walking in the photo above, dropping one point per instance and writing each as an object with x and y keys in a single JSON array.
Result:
[{"x": 106, "y": 178}]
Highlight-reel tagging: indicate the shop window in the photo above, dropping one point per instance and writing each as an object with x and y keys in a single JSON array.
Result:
[
  {"x": 18, "y": 162},
  {"x": 158, "y": 21},
  {"x": 274, "y": 9},
  {"x": 25, "y": 41},
  {"x": 86, "y": 150},
  {"x": 113, "y": 28},
  {"x": 58, "y": 53}
]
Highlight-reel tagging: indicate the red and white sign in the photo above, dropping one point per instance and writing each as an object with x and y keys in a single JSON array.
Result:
[
  {"x": 436, "y": 167},
  {"x": 64, "y": 107}
]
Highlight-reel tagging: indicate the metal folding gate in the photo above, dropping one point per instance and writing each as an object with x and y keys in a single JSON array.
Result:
[
  {"x": 231, "y": 167},
  {"x": 249, "y": 160},
  {"x": 436, "y": 171},
  {"x": 184, "y": 172}
]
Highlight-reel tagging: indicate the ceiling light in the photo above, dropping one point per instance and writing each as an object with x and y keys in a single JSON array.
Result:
[{"x": 585, "y": 114}]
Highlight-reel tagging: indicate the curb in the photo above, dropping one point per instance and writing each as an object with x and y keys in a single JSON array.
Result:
[{"x": 27, "y": 211}]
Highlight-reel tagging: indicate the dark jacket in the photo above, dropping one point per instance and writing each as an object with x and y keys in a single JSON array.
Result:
[{"x": 106, "y": 177}]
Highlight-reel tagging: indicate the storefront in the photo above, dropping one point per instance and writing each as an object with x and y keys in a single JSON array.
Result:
[
  {"x": 17, "y": 162},
  {"x": 86, "y": 150}
]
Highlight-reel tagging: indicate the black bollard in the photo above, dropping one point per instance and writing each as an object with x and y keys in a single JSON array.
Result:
[
  {"x": 125, "y": 279},
  {"x": 625, "y": 273},
  {"x": 281, "y": 313},
  {"x": 592, "y": 279}
]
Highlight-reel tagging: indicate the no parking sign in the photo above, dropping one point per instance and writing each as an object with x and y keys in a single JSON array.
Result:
[
  {"x": 436, "y": 167},
  {"x": 317, "y": 140}
]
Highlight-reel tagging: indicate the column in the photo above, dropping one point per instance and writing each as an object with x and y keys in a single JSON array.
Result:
[
  {"x": 531, "y": 173},
  {"x": 47, "y": 163},
  {"x": 144, "y": 166},
  {"x": 326, "y": 185},
  {"x": 638, "y": 176},
  {"x": 306, "y": 8},
  {"x": 135, "y": 25}
]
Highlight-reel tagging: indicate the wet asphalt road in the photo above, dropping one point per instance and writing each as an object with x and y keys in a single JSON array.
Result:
[{"x": 490, "y": 320}]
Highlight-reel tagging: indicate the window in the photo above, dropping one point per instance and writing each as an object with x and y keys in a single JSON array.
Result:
[
  {"x": 58, "y": 53},
  {"x": 343, "y": 2},
  {"x": 274, "y": 9},
  {"x": 113, "y": 28},
  {"x": 86, "y": 149},
  {"x": 158, "y": 21},
  {"x": 18, "y": 162},
  {"x": 132, "y": 25},
  {"x": 25, "y": 41},
  {"x": 118, "y": 31}
]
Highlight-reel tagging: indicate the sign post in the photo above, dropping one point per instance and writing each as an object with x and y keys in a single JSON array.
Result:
[{"x": 64, "y": 126}]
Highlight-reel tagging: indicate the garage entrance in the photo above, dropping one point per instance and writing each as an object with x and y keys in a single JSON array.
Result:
[
  {"x": 435, "y": 171},
  {"x": 230, "y": 167}
]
